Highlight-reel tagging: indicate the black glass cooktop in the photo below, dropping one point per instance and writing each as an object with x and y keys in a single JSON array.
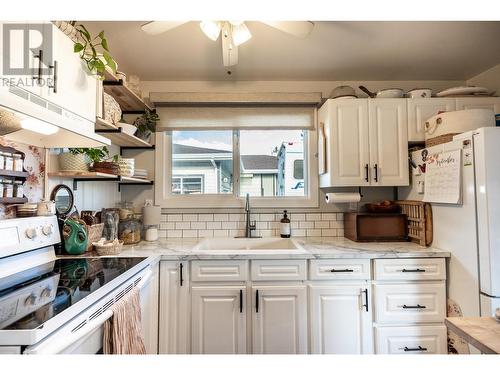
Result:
[{"x": 78, "y": 278}]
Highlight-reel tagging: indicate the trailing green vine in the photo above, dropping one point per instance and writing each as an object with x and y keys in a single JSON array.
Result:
[{"x": 94, "y": 51}]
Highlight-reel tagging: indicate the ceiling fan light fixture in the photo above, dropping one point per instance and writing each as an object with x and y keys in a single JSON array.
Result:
[
  {"x": 240, "y": 34},
  {"x": 211, "y": 29}
]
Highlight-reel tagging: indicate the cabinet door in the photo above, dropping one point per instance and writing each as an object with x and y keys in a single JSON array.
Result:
[
  {"x": 174, "y": 308},
  {"x": 473, "y": 103},
  {"x": 345, "y": 125},
  {"x": 388, "y": 142},
  {"x": 341, "y": 319},
  {"x": 149, "y": 312},
  {"x": 279, "y": 319},
  {"x": 218, "y": 321},
  {"x": 419, "y": 110},
  {"x": 76, "y": 88}
]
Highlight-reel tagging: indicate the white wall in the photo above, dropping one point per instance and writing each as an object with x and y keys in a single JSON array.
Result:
[{"x": 489, "y": 79}]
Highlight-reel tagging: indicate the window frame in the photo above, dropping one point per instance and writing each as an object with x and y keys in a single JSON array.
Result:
[{"x": 163, "y": 179}]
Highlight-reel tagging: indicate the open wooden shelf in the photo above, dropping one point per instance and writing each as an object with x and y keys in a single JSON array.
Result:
[
  {"x": 98, "y": 176},
  {"x": 128, "y": 100},
  {"x": 13, "y": 200},
  {"x": 119, "y": 138},
  {"x": 18, "y": 174},
  {"x": 101, "y": 124}
]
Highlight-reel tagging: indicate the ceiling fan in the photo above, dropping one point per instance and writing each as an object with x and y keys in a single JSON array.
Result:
[{"x": 234, "y": 33}]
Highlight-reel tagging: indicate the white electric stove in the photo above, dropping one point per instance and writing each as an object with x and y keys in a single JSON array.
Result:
[{"x": 52, "y": 304}]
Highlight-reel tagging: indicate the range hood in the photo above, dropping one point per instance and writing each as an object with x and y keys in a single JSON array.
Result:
[{"x": 30, "y": 119}]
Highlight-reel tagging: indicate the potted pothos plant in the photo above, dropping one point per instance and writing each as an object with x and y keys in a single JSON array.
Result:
[
  {"x": 93, "y": 50},
  {"x": 146, "y": 124}
]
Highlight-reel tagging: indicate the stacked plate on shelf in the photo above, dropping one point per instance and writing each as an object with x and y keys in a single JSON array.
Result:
[
  {"x": 141, "y": 173},
  {"x": 465, "y": 91},
  {"x": 26, "y": 210},
  {"x": 126, "y": 167}
]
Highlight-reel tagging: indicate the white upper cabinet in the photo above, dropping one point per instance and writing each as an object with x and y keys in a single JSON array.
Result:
[
  {"x": 341, "y": 319},
  {"x": 344, "y": 150},
  {"x": 72, "y": 86},
  {"x": 388, "y": 142},
  {"x": 218, "y": 320},
  {"x": 481, "y": 102},
  {"x": 279, "y": 319},
  {"x": 419, "y": 110}
]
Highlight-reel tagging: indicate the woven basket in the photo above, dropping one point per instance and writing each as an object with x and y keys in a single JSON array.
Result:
[
  {"x": 73, "y": 163},
  {"x": 109, "y": 250},
  {"x": 440, "y": 139},
  {"x": 94, "y": 233}
]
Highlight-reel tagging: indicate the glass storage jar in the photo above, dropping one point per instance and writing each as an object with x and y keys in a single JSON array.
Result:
[
  {"x": 110, "y": 218},
  {"x": 9, "y": 161},
  {"x": 8, "y": 189},
  {"x": 18, "y": 189},
  {"x": 18, "y": 162},
  {"x": 129, "y": 231},
  {"x": 126, "y": 210}
]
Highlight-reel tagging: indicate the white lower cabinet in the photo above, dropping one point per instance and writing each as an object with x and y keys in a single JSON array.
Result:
[
  {"x": 411, "y": 340},
  {"x": 279, "y": 319},
  {"x": 341, "y": 319},
  {"x": 218, "y": 320},
  {"x": 149, "y": 312},
  {"x": 174, "y": 308}
]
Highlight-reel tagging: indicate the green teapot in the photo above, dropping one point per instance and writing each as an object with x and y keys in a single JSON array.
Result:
[{"x": 75, "y": 237}]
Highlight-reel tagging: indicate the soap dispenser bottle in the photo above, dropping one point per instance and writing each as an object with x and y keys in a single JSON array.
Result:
[{"x": 285, "y": 227}]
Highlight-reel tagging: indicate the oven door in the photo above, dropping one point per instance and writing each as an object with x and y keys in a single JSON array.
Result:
[{"x": 84, "y": 334}]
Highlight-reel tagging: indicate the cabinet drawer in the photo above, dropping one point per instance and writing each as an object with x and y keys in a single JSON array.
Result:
[
  {"x": 219, "y": 270},
  {"x": 411, "y": 340},
  {"x": 410, "y": 269},
  {"x": 267, "y": 270},
  {"x": 339, "y": 269},
  {"x": 410, "y": 303}
]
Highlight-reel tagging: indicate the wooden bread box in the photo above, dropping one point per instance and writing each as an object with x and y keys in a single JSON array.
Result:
[{"x": 375, "y": 227}]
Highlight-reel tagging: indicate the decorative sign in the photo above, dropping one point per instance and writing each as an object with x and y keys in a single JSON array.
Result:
[{"x": 443, "y": 178}]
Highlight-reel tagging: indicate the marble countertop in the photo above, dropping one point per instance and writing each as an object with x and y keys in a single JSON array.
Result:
[
  {"x": 482, "y": 332},
  {"x": 311, "y": 248}
]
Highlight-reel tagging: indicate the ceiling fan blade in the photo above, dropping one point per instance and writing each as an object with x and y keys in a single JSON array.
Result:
[
  {"x": 158, "y": 27},
  {"x": 299, "y": 29}
]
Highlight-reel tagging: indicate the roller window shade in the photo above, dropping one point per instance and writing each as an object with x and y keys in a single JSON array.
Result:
[{"x": 237, "y": 117}]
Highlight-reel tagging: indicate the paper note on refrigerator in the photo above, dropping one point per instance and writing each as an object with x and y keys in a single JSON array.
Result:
[{"x": 443, "y": 178}]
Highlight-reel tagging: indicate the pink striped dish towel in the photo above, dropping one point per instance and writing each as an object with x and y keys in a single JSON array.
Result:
[{"x": 123, "y": 331}]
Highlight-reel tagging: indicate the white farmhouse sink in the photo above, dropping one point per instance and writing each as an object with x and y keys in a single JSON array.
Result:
[{"x": 238, "y": 245}]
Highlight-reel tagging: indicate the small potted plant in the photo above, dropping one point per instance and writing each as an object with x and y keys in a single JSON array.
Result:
[{"x": 146, "y": 124}]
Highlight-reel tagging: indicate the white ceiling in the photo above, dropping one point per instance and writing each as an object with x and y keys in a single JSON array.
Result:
[{"x": 333, "y": 51}]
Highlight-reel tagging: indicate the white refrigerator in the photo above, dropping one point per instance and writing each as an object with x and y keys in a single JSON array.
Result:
[{"x": 470, "y": 230}]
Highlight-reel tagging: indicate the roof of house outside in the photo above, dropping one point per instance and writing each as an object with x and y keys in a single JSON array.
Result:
[
  {"x": 259, "y": 162},
  {"x": 185, "y": 149}
]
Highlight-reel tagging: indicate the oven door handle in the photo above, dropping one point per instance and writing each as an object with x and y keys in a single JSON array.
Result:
[{"x": 60, "y": 345}]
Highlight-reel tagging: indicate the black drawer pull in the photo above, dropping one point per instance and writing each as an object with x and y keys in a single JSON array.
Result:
[
  {"x": 412, "y": 270},
  {"x": 241, "y": 300},
  {"x": 181, "y": 266},
  {"x": 343, "y": 270},
  {"x": 419, "y": 349},
  {"x": 40, "y": 61},
  {"x": 367, "y": 178},
  {"x": 365, "y": 305},
  {"x": 257, "y": 301},
  {"x": 376, "y": 172},
  {"x": 418, "y": 306}
]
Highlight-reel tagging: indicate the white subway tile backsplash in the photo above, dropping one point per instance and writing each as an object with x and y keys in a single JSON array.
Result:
[
  {"x": 306, "y": 224},
  {"x": 313, "y": 217},
  {"x": 325, "y": 224},
  {"x": 182, "y": 225},
  {"x": 198, "y": 225},
  {"x": 313, "y": 232},
  {"x": 214, "y": 225},
  {"x": 190, "y": 217},
  {"x": 221, "y": 233},
  {"x": 221, "y": 217},
  {"x": 321, "y": 224},
  {"x": 189, "y": 233},
  {"x": 206, "y": 217},
  {"x": 206, "y": 233},
  {"x": 172, "y": 217}
]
